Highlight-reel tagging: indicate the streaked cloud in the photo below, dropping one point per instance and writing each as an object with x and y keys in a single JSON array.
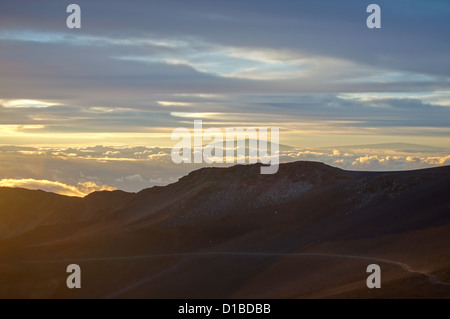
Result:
[
  {"x": 25, "y": 103},
  {"x": 168, "y": 103},
  {"x": 196, "y": 115}
]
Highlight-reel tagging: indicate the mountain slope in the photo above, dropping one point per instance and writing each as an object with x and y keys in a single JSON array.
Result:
[{"x": 308, "y": 231}]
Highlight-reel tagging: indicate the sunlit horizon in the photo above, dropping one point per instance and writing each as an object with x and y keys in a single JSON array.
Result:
[{"x": 98, "y": 104}]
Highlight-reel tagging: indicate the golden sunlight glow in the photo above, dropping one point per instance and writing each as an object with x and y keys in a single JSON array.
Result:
[{"x": 80, "y": 190}]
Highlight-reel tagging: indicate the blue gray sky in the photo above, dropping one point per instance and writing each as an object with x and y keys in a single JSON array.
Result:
[{"x": 138, "y": 69}]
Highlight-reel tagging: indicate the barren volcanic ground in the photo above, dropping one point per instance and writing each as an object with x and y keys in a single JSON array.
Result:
[{"x": 308, "y": 231}]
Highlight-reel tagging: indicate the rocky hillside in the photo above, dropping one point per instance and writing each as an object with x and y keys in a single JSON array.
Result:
[{"x": 306, "y": 231}]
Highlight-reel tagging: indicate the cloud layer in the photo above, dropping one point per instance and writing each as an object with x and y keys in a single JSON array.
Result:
[
  {"x": 134, "y": 72},
  {"x": 79, "y": 171}
]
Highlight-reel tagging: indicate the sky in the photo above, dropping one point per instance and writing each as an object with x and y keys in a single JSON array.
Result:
[{"x": 136, "y": 70}]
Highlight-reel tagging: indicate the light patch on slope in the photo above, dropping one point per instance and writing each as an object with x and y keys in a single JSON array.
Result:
[{"x": 80, "y": 190}]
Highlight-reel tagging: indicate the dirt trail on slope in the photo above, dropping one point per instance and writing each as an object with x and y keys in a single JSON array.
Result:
[{"x": 433, "y": 279}]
